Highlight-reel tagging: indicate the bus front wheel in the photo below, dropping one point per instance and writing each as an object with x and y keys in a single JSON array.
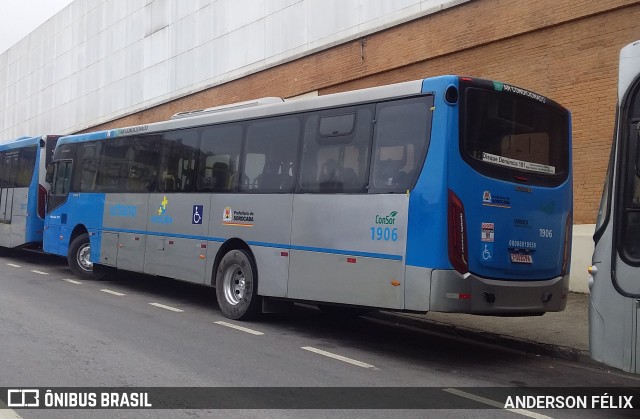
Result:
[
  {"x": 79, "y": 258},
  {"x": 236, "y": 285}
]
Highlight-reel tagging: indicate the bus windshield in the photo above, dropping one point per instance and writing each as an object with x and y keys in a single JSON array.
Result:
[{"x": 505, "y": 135}]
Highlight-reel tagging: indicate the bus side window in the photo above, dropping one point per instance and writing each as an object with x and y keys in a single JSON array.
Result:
[
  {"x": 2, "y": 169},
  {"x": 219, "y": 157},
  {"x": 401, "y": 139},
  {"x": 177, "y": 167},
  {"x": 26, "y": 167},
  {"x": 336, "y": 148},
  {"x": 62, "y": 178},
  {"x": 142, "y": 167},
  {"x": 271, "y": 154},
  {"x": 88, "y": 164}
]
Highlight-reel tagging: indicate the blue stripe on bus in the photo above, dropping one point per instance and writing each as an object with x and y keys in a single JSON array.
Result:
[
  {"x": 348, "y": 252},
  {"x": 265, "y": 244},
  {"x": 153, "y": 233},
  {"x": 326, "y": 250}
]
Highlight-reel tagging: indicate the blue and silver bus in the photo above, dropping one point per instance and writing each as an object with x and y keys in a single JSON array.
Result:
[
  {"x": 23, "y": 191},
  {"x": 449, "y": 194},
  {"x": 614, "y": 310}
]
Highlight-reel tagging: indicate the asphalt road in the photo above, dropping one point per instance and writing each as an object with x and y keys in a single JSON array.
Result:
[{"x": 133, "y": 330}]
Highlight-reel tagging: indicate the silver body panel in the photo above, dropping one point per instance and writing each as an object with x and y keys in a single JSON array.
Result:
[
  {"x": 333, "y": 256},
  {"x": 263, "y": 222},
  {"x": 13, "y": 213},
  {"x": 301, "y": 252},
  {"x": 417, "y": 291},
  {"x": 614, "y": 318}
]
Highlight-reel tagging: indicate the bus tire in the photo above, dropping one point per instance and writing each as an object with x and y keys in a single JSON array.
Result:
[
  {"x": 237, "y": 285},
  {"x": 78, "y": 258}
]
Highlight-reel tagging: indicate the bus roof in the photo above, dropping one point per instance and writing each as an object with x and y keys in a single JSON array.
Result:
[
  {"x": 268, "y": 109},
  {"x": 20, "y": 143}
]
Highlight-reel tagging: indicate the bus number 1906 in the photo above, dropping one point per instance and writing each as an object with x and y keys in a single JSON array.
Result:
[{"x": 379, "y": 233}]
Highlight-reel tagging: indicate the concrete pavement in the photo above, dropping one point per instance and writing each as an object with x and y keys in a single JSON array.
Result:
[{"x": 564, "y": 334}]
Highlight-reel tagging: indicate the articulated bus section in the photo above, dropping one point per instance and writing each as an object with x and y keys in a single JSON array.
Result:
[{"x": 23, "y": 190}]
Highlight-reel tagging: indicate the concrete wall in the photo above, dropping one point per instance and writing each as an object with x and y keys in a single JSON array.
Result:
[{"x": 98, "y": 60}]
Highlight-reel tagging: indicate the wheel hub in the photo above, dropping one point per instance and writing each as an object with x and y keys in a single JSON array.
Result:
[
  {"x": 234, "y": 284},
  {"x": 84, "y": 258}
]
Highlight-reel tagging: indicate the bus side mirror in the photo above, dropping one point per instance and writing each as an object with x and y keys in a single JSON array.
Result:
[{"x": 49, "y": 176}]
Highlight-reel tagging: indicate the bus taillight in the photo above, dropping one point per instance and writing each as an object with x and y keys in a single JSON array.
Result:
[
  {"x": 42, "y": 200},
  {"x": 566, "y": 251},
  {"x": 457, "y": 234}
]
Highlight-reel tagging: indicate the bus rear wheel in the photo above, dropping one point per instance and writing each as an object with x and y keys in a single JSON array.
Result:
[
  {"x": 79, "y": 258},
  {"x": 237, "y": 285}
]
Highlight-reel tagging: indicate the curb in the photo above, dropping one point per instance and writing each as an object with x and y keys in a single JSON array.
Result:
[{"x": 511, "y": 342}]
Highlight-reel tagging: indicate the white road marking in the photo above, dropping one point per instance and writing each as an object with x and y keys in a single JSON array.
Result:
[
  {"x": 493, "y": 403},
  {"x": 339, "y": 357},
  {"x": 119, "y": 294},
  {"x": 39, "y": 272},
  {"x": 177, "y": 310},
  {"x": 71, "y": 281},
  {"x": 14, "y": 265},
  {"x": 244, "y": 329}
]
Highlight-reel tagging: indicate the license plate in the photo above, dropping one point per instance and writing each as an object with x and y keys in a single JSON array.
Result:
[{"x": 521, "y": 258}]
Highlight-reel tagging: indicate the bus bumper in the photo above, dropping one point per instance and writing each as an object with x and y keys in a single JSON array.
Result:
[{"x": 453, "y": 293}]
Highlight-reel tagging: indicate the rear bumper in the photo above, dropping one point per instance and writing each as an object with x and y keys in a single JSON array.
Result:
[{"x": 452, "y": 293}]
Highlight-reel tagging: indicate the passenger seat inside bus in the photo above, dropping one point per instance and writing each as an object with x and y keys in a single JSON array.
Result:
[
  {"x": 330, "y": 177},
  {"x": 219, "y": 181}
]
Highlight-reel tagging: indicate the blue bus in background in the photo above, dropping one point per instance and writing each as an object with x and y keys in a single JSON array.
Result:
[
  {"x": 23, "y": 191},
  {"x": 449, "y": 194}
]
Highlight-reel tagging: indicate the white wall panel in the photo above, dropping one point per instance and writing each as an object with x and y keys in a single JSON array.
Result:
[
  {"x": 184, "y": 8},
  {"x": 183, "y": 70},
  {"x": 220, "y": 52},
  {"x": 98, "y": 60},
  {"x": 219, "y": 18},
  {"x": 329, "y": 18},
  {"x": 185, "y": 36},
  {"x": 272, "y": 6},
  {"x": 243, "y": 12},
  {"x": 286, "y": 29},
  {"x": 246, "y": 45}
]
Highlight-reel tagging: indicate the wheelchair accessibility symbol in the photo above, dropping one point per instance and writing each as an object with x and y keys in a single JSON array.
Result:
[
  {"x": 196, "y": 217},
  {"x": 487, "y": 253}
]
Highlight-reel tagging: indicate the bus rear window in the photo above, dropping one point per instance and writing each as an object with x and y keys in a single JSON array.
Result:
[{"x": 504, "y": 133}]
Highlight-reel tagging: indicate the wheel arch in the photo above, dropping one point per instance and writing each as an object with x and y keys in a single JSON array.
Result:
[
  {"x": 77, "y": 231},
  {"x": 231, "y": 244}
]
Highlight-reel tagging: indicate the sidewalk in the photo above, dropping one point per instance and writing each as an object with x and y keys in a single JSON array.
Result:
[{"x": 564, "y": 334}]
